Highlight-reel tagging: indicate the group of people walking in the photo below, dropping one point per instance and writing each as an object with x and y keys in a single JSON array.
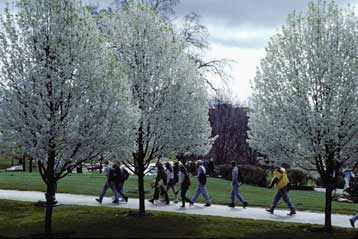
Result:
[
  {"x": 115, "y": 179},
  {"x": 169, "y": 177}
]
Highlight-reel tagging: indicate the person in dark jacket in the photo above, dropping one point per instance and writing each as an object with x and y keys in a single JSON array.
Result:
[
  {"x": 184, "y": 185},
  {"x": 159, "y": 184},
  {"x": 119, "y": 180},
  {"x": 109, "y": 172}
]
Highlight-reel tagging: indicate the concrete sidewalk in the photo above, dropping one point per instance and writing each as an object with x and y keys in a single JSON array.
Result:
[{"x": 198, "y": 209}]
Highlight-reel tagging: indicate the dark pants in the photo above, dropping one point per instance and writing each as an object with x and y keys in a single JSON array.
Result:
[
  {"x": 184, "y": 198},
  {"x": 119, "y": 188},
  {"x": 162, "y": 191}
]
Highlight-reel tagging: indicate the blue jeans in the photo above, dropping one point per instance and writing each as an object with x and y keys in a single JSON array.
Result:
[
  {"x": 235, "y": 193},
  {"x": 104, "y": 190},
  {"x": 120, "y": 189},
  {"x": 282, "y": 193},
  {"x": 201, "y": 188},
  {"x": 355, "y": 218}
]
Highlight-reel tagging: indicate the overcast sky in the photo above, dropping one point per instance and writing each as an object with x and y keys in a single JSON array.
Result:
[{"x": 239, "y": 30}]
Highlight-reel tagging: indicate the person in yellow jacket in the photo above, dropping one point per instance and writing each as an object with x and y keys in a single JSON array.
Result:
[{"x": 280, "y": 181}]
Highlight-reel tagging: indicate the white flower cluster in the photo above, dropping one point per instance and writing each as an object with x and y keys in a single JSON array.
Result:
[
  {"x": 305, "y": 101},
  {"x": 70, "y": 94}
]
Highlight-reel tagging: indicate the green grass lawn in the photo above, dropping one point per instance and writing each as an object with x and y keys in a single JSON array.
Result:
[
  {"x": 219, "y": 190},
  {"x": 20, "y": 219},
  {"x": 5, "y": 163}
]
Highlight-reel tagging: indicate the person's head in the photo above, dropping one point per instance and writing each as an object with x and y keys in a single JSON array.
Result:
[
  {"x": 168, "y": 166},
  {"x": 199, "y": 163},
  {"x": 159, "y": 165},
  {"x": 115, "y": 166},
  {"x": 233, "y": 163},
  {"x": 106, "y": 162}
]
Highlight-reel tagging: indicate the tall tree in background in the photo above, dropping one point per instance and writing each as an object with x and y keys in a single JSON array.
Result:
[
  {"x": 166, "y": 87},
  {"x": 195, "y": 36},
  {"x": 305, "y": 101},
  {"x": 61, "y": 99},
  {"x": 230, "y": 123}
]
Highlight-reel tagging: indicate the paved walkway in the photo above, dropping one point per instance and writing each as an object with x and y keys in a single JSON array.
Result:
[{"x": 215, "y": 210}]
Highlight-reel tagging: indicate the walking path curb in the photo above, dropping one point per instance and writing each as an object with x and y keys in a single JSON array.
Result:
[{"x": 256, "y": 213}]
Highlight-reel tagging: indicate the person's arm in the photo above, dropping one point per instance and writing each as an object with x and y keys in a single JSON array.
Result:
[
  {"x": 277, "y": 175},
  {"x": 273, "y": 182},
  {"x": 107, "y": 176}
]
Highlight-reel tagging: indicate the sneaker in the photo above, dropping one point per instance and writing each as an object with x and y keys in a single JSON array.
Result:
[
  {"x": 207, "y": 205},
  {"x": 245, "y": 204},
  {"x": 231, "y": 205},
  {"x": 98, "y": 200},
  {"x": 292, "y": 212},
  {"x": 115, "y": 201},
  {"x": 182, "y": 206},
  {"x": 352, "y": 222},
  {"x": 151, "y": 200},
  {"x": 191, "y": 204},
  {"x": 270, "y": 210},
  {"x": 167, "y": 202},
  {"x": 126, "y": 199},
  {"x": 176, "y": 201}
]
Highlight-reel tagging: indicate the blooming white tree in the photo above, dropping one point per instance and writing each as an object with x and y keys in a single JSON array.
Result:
[
  {"x": 305, "y": 100},
  {"x": 63, "y": 100},
  {"x": 166, "y": 88}
]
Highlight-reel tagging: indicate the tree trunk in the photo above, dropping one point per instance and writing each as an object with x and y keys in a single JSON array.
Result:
[
  {"x": 141, "y": 187},
  {"x": 30, "y": 165},
  {"x": 50, "y": 194},
  {"x": 24, "y": 164},
  {"x": 328, "y": 208},
  {"x": 79, "y": 169}
]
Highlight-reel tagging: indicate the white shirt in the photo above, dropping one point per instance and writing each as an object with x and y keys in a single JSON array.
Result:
[
  {"x": 106, "y": 170},
  {"x": 170, "y": 175}
]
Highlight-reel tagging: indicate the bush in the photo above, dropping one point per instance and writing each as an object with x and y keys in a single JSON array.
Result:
[
  {"x": 224, "y": 170},
  {"x": 297, "y": 177},
  {"x": 250, "y": 174}
]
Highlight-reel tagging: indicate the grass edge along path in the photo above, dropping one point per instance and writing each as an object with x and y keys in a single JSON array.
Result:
[{"x": 24, "y": 219}]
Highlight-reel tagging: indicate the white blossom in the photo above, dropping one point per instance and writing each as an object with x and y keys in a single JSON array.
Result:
[{"x": 62, "y": 90}]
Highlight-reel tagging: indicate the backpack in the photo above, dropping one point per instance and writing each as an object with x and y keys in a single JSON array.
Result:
[
  {"x": 112, "y": 175},
  {"x": 202, "y": 178},
  {"x": 125, "y": 174},
  {"x": 187, "y": 180}
]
